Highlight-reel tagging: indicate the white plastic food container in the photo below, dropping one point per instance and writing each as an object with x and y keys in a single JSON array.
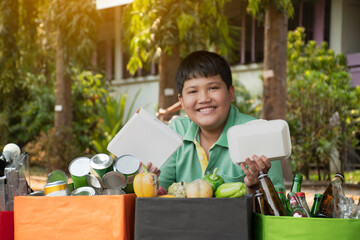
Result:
[{"x": 261, "y": 137}]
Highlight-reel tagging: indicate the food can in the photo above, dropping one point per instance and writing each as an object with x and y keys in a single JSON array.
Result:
[
  {"x": 84, "y": 191},
  {"x": 54, "y": 187},
  {"x": 114, "y": 180},
  {"x": 95, "y": 183},
  {"x": 57, "y": 175},
  {"x": 78, "y": 169},
  {"x": 129, "y": 166},
  {"x": 100, "y": 164},
  {"x": 113, "y": 192}
]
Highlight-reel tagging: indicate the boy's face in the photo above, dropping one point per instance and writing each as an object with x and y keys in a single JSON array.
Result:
[{"x": 206, "y": 101}]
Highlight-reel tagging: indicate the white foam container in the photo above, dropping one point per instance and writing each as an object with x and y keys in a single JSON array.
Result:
[{"x": 261, "y": 137}]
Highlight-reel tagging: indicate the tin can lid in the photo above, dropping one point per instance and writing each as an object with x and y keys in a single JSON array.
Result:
[
  {"x": 80, "y": 166},
  {"x": 101, "y": 161},
  {"x": 113, "y": 192},
  {"x": 114, "y": 180},
  {"x": 127, "y": 164},
  {"x": 37, "y": 193},
  {"x": 93, "y": 181},
  {"x": 57, "y": 175},
  {"x": 83, "y": 191}
]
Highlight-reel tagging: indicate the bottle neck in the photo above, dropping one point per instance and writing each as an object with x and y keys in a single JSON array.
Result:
[{"x": 337, "y": 189}]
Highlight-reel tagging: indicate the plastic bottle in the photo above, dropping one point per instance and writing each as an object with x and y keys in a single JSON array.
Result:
[
  {"x": 296, "y": 209},
  {"x": 271, "y": 195},
  {"x": 325, "y": 206}
]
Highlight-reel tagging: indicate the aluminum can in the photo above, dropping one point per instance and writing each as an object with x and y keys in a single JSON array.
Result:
[
  {"x": 114, "y": 180},
  {"x": 129, "y": 166},
  {"x": 100, "y": 164},
  {"x": 84, "y": 191},
  {"x": 54, "y": 187},
  {"x": 78, "y": 169}
]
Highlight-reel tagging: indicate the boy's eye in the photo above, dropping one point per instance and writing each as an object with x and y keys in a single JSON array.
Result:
[{"x": 213, "y": 88}]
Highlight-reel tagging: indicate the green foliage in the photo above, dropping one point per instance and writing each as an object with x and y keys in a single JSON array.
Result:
[
  {"x": 321, "y": 104},
  {"x": 156, "y": 25},
  {"x": 112, "y": 119},
  {"x": 257, "y": 7},
  {"x": 246, "y": 102},
  {"x": 87, "y": 90}
]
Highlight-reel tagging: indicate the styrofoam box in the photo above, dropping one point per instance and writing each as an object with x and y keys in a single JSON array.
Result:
[{"x": 261, "y": 137}]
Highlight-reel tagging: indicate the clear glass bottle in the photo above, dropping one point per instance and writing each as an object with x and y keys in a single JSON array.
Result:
[
  {"x": 271, "y": 195},
  {"x": 296, "y": 209},
  {"x": 302, "y": 199},
  {"x": 296, "y": 185},
  {"x": 316, "y": 204},
  {"x": 325, "y": 206},
  {"x": 339, "y": 203},
  {"x": 281, "y": 192}
]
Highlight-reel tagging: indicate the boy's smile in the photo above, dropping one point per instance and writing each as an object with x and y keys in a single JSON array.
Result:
[{"x": 206, "y": 101}]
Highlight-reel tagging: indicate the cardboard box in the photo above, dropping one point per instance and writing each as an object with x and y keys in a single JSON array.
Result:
[
  {"x": 285, "y": 228},
  {"x": 75, "y": 217},
  {"x": 193, "y": 218}
]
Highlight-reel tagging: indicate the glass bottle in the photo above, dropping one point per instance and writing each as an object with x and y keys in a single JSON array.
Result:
[
  {"x": 325, "y": 206},
  {"x": 281, "y": 192},
  {"x": 296, "y": 209},
  {"x": 261, "y": 205},
  {"x": 302, "y": 200},
  {"x": 316, "y": 204},
  {"x": 271, "y": 195},
  {"x": 296, "y": 185},
  {"x": 339, "y": 203}
]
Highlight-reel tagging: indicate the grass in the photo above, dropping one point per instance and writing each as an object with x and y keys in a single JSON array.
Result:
[{"x": 352, "y": 177}]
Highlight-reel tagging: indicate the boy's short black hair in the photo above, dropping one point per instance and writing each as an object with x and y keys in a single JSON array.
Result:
[{"x": 202, "y": 64}]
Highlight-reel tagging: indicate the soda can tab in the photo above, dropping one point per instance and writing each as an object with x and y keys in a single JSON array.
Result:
[
  {"x": 95, "y": 183},
  {"x": 84, "y": 191},
  {"x": 114, "y": 180},
  {"x": 57, "y": 175},
  {"x": 100, "y": 164},
  {"x": 54, "y": 187},
  {"x": 78, "y": 169},
  {"x": 129, "y": 166},
  {"x": 113, "y": 192}
]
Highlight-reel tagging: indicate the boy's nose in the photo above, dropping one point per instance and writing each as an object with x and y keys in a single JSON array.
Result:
[{"x": 204, "y": 97}]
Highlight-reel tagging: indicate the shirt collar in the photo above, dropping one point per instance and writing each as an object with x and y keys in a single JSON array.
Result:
[{"x": 193, "y": 130}]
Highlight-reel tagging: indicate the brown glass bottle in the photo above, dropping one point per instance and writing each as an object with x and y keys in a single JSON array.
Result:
[
  {"x": 261, "y": 205},
  {"x": 271, "y": 195},
  {"x": 325, "y": 207}
]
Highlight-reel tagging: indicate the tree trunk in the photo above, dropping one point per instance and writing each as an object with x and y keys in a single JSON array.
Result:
[
  {"x": 274, "y": 87},
  {"x": 168, "y": 65},
  {"x": 63, "y": 108}
]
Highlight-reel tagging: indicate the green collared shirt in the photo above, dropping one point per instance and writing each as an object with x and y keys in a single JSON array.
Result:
[{"x": 184, "y": 164}]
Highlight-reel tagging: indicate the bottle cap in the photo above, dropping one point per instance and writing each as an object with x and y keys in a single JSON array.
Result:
[
  {"x": 340, "y": 175},
  {"x": 300, "y": 194},
  {"x": 262, "y": 175}
]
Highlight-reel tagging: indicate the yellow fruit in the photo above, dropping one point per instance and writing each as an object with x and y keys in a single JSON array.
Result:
[{"x": 167, "y": 196}]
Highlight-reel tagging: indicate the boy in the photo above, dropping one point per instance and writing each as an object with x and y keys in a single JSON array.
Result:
[{"x": 204, "y": 83}]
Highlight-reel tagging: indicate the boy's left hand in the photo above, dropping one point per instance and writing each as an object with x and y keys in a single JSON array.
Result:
[{"x": 251, "y": 180}]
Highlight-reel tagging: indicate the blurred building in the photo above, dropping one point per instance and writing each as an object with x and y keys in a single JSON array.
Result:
[{"x": 333, "y": 21}]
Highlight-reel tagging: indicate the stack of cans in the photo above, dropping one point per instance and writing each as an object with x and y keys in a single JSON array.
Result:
[{"x": 94, "y": 176}]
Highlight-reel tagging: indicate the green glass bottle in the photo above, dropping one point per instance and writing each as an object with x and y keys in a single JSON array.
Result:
[
  {"x": 316, "y": 204},
  {"x": 281, "y": 192},
  {"x": 296, "y": 185}
]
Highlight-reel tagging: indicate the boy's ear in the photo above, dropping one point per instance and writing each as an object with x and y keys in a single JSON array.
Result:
[
  {"x": 232, "y": 93},
  {"x": 181, "y": 101}
]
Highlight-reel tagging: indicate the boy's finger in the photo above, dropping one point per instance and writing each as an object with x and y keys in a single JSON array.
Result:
[{"x": 252, "y": 168}]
